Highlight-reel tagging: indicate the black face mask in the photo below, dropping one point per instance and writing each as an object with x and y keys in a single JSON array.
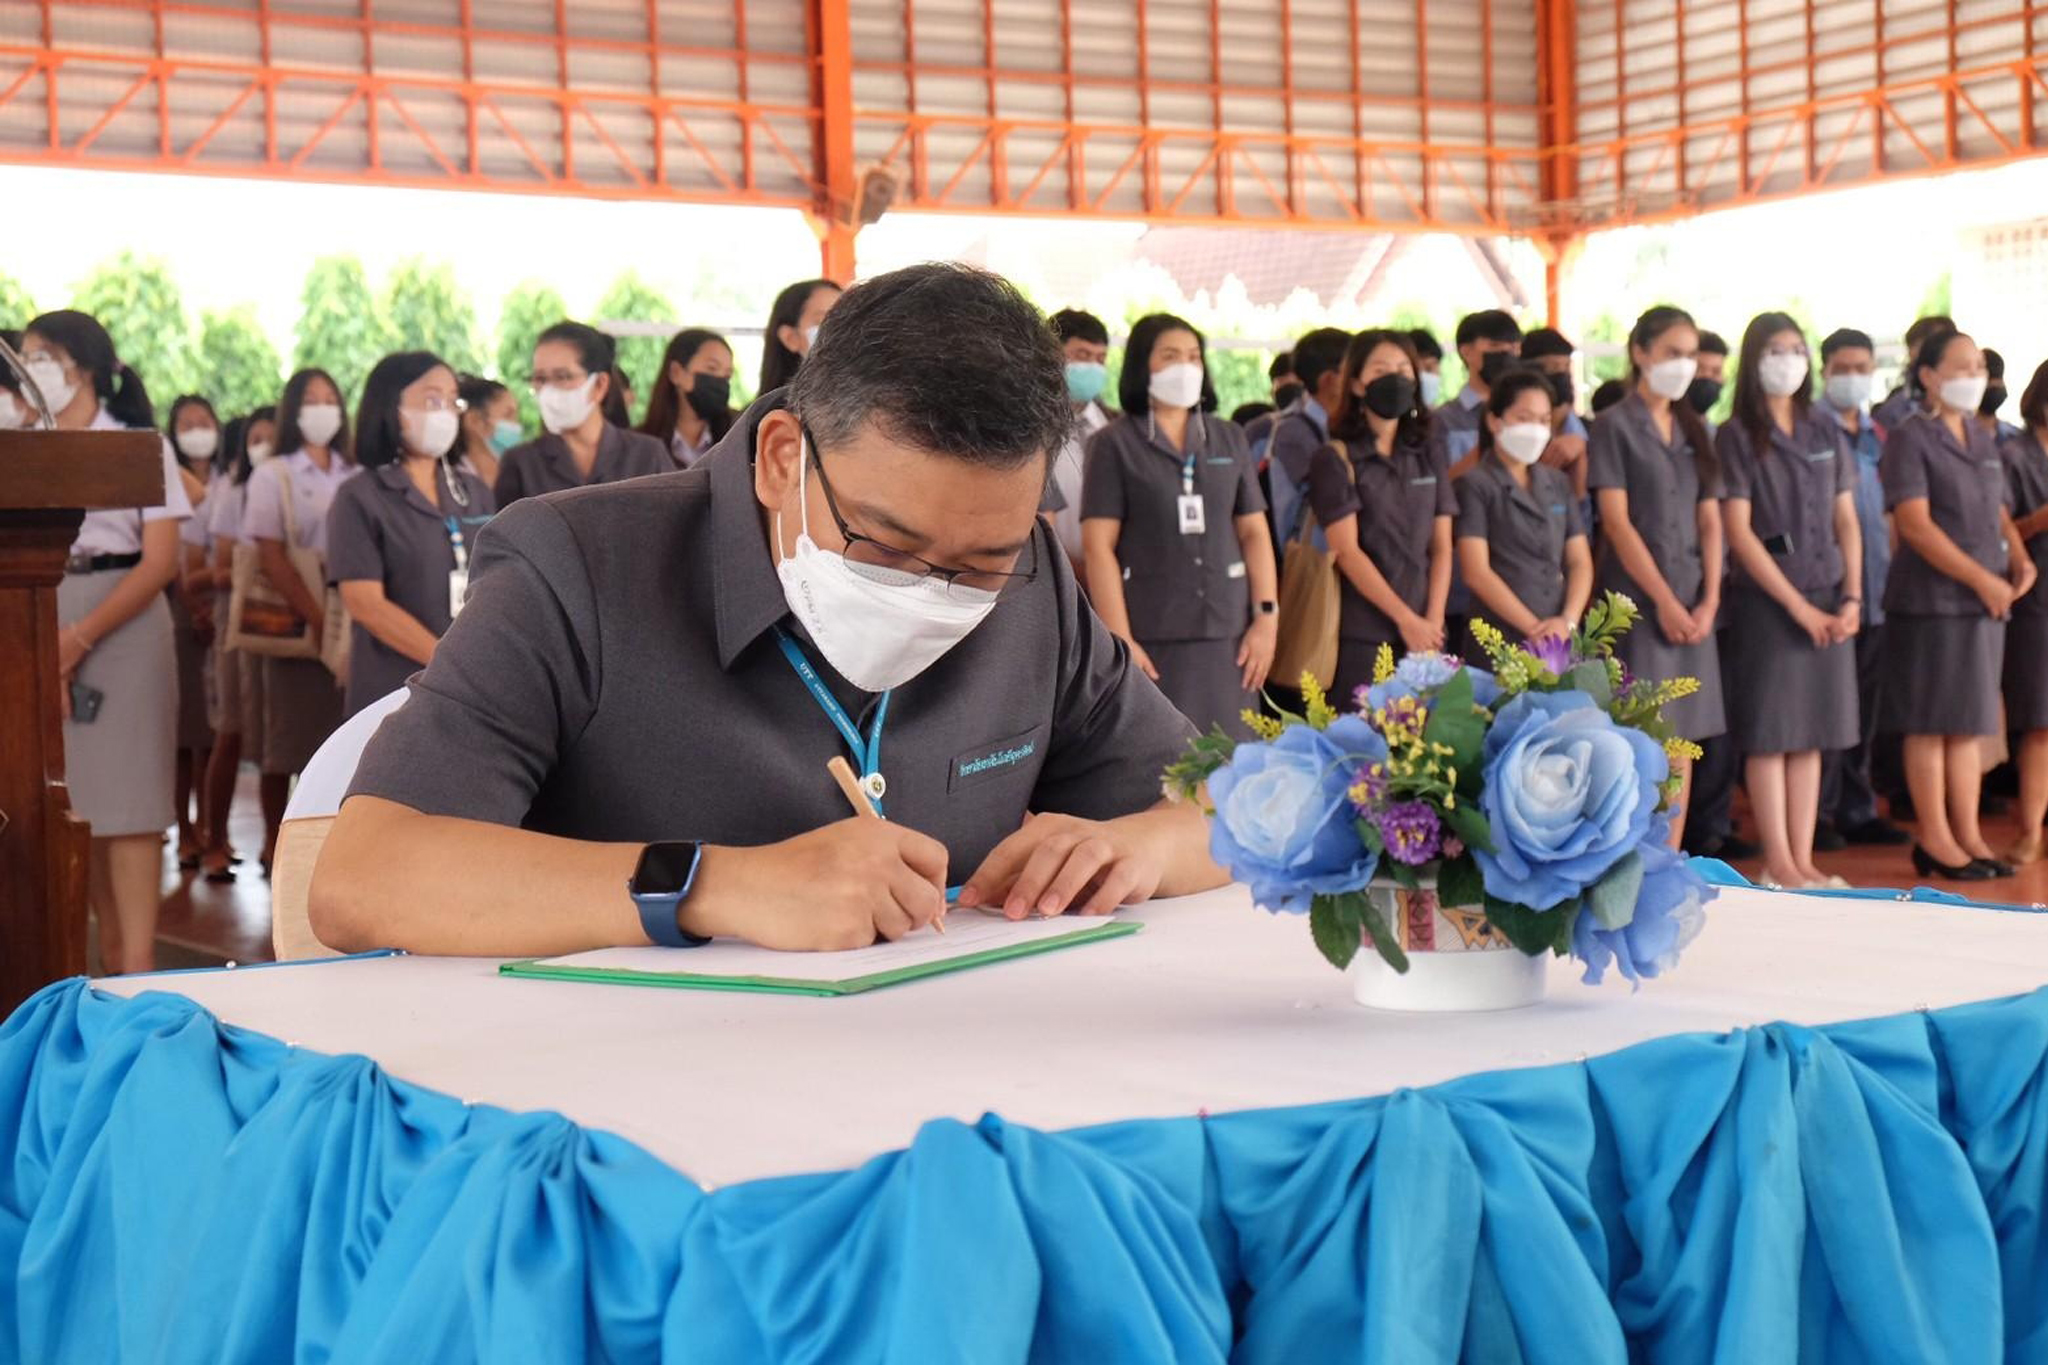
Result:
[
  {"x": 1495, "y": 364},
  {"x": 1994, "y": 399},
  {"x": 1390, "y": 395},
  {"x": 1703, "y": 394},
  {"x": 1561, "y": 392},
  {"x": 709, "y": 395},
  {"x": 1288, "y": 394}
]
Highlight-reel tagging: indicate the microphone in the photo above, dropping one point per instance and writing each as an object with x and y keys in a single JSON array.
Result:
[{"x": 29, "y": 385}]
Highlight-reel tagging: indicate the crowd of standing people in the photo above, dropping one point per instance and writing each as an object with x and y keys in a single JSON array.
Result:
[{"x": 1853, "y": 583}]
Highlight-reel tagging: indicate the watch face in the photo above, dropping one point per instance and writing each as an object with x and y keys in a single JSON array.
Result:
[{"x": 664, "y": 869}]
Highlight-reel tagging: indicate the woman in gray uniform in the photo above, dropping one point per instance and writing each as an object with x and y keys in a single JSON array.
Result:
[
  {"x": 1657, "y": 484},
  {"x": 1179, "y": 557},
  {"x": 1385, "y": 504},
  {"x": 1521, "y": 539},
  {"x": 573, "y": 368},
  {"x": 1960, "y": 567},
  {"x": 1795, "y": 598},
  {"x": 398, "y": 538},
  {"x": 2026, "y": 636}
]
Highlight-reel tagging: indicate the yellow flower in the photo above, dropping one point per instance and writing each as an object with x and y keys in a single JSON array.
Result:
[
  {"x": 1383, "y": 664},
  {"x": 1265, "y": 727}
]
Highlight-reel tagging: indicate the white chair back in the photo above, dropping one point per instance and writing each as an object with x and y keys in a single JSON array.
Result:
[{"x": 316, "y": 799}]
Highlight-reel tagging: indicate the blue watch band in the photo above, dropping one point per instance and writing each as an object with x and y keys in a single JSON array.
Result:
[{"x": 658, "y": 917}]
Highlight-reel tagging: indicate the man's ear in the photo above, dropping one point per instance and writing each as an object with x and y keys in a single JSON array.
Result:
[{"x": 778, "y": 451}]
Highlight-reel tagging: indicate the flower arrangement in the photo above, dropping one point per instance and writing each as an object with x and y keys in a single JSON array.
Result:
[{"x": 1539, "y": 790}]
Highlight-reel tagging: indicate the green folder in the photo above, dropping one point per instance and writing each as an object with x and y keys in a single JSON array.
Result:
[{"x": 857, "y": 985}]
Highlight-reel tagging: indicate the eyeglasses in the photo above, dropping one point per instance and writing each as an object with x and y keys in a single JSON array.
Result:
[
  {"x": 886, "y": 564},
  {"x": 559, "y": 379}
]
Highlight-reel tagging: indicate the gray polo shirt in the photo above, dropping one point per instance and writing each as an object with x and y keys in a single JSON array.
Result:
[
  {"x": 1965, "y": 488},
  {"x": 1397, "y": 499},
  {"x": 380, "y": 530},
  {"x": 547, "y": 466},
  {"x": 1665, "y": 488},
  {"x": 2026, "y": 481},
  {"x": 615, "y": 676},
  {"x": 1791, "y": 492},
  {"x": 1525, "y": 530},
  {"x": 1176, "y": 586}
]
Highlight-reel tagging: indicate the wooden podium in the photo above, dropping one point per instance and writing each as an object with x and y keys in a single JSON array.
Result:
[{"x": 47, "y": 481}]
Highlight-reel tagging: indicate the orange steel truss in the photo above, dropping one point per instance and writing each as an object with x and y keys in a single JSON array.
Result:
[{"x": 1548, "y": 118}]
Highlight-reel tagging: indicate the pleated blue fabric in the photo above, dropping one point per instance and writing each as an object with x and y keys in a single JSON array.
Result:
[{"x": 174, "y": 1190}]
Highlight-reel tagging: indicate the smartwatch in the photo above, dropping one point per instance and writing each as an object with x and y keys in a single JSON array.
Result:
[
  {"x": 1269, "y": 608},
  {"x": 661, "y": 882}
]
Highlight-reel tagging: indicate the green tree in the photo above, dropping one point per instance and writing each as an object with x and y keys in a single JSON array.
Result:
[
  {"x": 632, "y": 299},
  {"x": 138, "y": 303},
  {"x": 339, "y": 329},
  {"x": 1937, "y": 301},
  {"x": 529, "y": 310},
  {"x": 238, "y": 367},
  {"x": 17, "y": 309},
  {"x": 426, "y": 310},
  {"x": 1240, "y": 378}
]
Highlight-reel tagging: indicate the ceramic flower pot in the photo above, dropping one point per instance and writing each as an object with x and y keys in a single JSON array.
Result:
[{"x": 1456, "y": 960}]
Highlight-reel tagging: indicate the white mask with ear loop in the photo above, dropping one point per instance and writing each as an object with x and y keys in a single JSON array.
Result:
[
  {"x": 1523, "y": 442},
  {"x": 876, "y": 633}
]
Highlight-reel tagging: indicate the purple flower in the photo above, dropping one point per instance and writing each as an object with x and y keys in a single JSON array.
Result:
[
  {"x": 1554, "y": 652},
  {"x": 1411, "y": 832}
]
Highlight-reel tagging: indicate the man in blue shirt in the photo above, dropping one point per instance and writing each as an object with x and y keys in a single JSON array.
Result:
[
  {"x": 1849, "y": 777},
  {"x": 1902, "y": 401},
  {"x": 1490, "y": 344},
  {"x": 1299, "y": 432}
]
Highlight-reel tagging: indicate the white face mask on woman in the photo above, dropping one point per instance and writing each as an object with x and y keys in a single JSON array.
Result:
[
  {"x": 430, "y": 433},
  {"x": 566, "y": 409},
  {"x": 1176, "y": 386},
  {"x": 1523, "y": 442},
  {"x": 48, "y": 375},
  {"x": 1669, "y": 379},
  {"x": 1965, "y": 393},
  {"x": 878, "y": 634},
  {"x": 319, "y": 423},
  {"x": 198, "y": 443},
  {"x": 1782, "y": 374}
]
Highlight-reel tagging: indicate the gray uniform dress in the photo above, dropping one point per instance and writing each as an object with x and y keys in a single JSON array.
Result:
[
  {"x": 381, "y": 530},
  {"x": 1785, "y": 696},
  {"x": 1664, "y": 486},
  {"x": 2026, "y": 635},
  {"x": 1397, "y": 499},
  {"x": 1945, "y": 652},
  {"x": 1525, "y": 530},
  {"x": 547, "y": 465},
  {"x": 581, "y": 695},
  {"x": 1187, "y": 595}
]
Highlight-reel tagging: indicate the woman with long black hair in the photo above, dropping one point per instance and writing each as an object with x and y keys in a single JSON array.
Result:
[
  {"x": 115, "y": 650},
  {"x": 792, "y": 326},
  {"x": 691, "y": 406}
]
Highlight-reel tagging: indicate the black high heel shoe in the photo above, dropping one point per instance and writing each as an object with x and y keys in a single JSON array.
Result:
[
  {"x": 1994, "y": 866},
  {"x": 1926, "y": 865}
]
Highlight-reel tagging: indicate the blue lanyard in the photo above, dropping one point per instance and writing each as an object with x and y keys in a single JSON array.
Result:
[
  {"x": 867, "y": 752},
  {"x": 1187, "y": 472},
  {"x": 455, "y": 541}
]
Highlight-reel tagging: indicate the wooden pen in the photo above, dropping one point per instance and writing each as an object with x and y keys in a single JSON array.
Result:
[{"x": 864, "y": 809}]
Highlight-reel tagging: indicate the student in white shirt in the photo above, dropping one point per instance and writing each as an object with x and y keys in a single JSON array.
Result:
[
  {"x": 301, "y": 699},
  {"x": 194, "y": 431},
  {"x": 1086, "y": 343},
  {"x": 114, "y": 642},
  {"x": 235, "y": 708}
]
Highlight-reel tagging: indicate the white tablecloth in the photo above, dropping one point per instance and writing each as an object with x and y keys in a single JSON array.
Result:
[{"x": 1215, "y": 1006}]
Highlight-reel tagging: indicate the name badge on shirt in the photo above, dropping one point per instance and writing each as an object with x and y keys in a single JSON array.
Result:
[
  {"x": 1235, "y": 571},
  {"x": 1194, "y": 515},
  {"x": 1424, "y": 482},
  {"x": 458, "y": 591}
]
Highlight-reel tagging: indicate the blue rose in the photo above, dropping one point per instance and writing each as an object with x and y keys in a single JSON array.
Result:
[
  {"x": 1284, "y": 822},
  {"x": 1568, "y": 794},
  {"x": 1669, "y": 914},
  {"x": 1420, "y": 673}
]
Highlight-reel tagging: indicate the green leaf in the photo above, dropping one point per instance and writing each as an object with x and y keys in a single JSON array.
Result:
[
  {"x": 1382, "y": 936},
  {"x": 632, "y": 299},
  {"x": 529, "y": 310},
  {"x": 138, "y": 302},
  {"x": 1459, "y": 882},
  {"x": 1613, "y": 900},
  {"x": 1471, "y": 825},
  {"x": 1591, "y": 678},
  {"x": 1535, "y": 932},
  {"x": 1404, "y": 875},
  {"x": 426, "y": 310},
  {"x": 1333, "y": 923},
  {"x": 1369, "y": 835},
  {"x": 239, "y": 369}
]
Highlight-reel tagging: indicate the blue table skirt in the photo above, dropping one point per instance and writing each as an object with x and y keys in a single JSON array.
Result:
[{"x": 172, "y": 1189}]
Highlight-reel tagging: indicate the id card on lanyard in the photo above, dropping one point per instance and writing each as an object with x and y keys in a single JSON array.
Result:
[
  {"x": 866, "y": 749},
  {"x": 458, "y": 577},
  {"x": 1194, "y": 513}
]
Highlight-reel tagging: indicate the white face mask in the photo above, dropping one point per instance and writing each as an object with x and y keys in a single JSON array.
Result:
[
  {"x": 259, "y": 452},
  {"x": 1176, "y": 386},
  {"x": 49, "y": 377},
  {"x": 1965, "y": 394},
  {"x": 319, "y": 423},
  {"x": 1849, "y": 392},
  {"x": 566, "y": 409},
  {"x": 14, "y": 413},
  {"x": 878, "y": 635},
  {"x": 1669, "y": 379},
  {"x": 810, "y": 339},
  {"x": 1432, "y": 388},
  {"x": 198, "y": 443},
  {"x": 1782, "y": 374},
  {"x": 1523, "y": 442},
  {"x": 430, "y": 433}
]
